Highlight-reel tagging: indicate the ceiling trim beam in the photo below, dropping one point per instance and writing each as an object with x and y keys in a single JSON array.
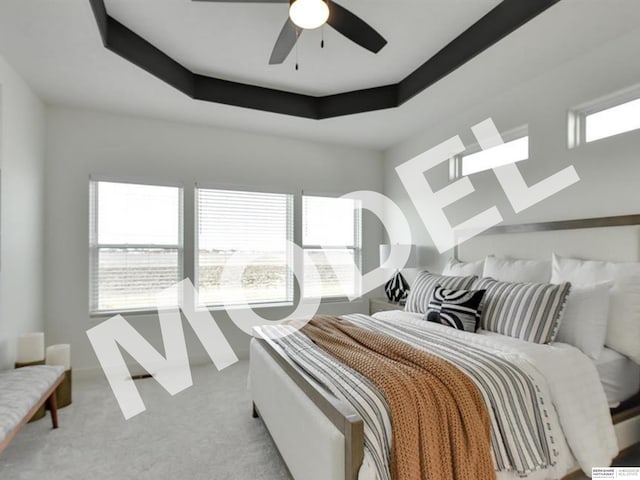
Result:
[
  {"x": 259, "y": 98},
  {"x": 502, "y": 20},
  {"x": 137, "y": 50}
]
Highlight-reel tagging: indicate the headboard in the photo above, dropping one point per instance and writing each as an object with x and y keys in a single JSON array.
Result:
[{"x": 604, "y": 238}]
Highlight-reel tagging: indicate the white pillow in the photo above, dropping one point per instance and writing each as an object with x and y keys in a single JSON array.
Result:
[
  {"x": 623, "y": 328},
  {"x": 457, "y": 268},
  {"x": 584, "y": 324},
  {"x": 516, "y": 270}
]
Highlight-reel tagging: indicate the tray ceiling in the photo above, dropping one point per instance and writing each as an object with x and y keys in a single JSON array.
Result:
[
  {"x": 500, "y": 21},
  {"x": 233, "y": 41},
  {"x": 55, "y": 46}
]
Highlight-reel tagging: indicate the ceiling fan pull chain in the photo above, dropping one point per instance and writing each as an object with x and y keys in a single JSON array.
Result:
[
  {"x": 298, "y": 32},
  {"x": 322, "y": 41}
]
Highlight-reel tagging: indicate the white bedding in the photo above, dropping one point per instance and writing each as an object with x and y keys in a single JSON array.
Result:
[
  {"x": 574, "y": 387},
  {"x": 570, "y": 380},
  {"x": 619, "y": 375}
]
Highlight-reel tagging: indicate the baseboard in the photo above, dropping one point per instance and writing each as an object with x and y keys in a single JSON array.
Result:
[{"x": 135, "y": 370}]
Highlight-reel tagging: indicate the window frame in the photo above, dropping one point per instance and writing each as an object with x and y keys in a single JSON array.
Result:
[
  {"x": 356, "y": 248},
  {"x": 291, "y": 235},
  {"x": 95, "y": 246},
  {"x": 577, "y": 116},
  {"x": 188, "y": 232}
]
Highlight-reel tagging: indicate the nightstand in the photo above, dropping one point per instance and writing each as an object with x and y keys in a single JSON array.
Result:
[{"x": 382, "y": 304}]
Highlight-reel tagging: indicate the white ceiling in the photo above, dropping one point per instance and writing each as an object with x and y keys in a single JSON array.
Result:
[
  {"x": 234, "y": 41},
  {"x": 55, "y": 46}
]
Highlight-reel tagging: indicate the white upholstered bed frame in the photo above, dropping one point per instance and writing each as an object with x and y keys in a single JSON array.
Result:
[{"x": 321, "y": 437}]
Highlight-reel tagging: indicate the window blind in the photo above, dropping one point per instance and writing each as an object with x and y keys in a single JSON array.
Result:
[
  {"x": 253, "y": 228},
  {"x": 135, "y": 245},
  {"x": 331, "y": 226}
]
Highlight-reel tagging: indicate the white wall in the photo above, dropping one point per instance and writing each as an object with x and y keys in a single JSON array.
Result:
[
  {"x": 21, "y": 217},
  {"x": 609, "y": 169},
  {"x": 82, "y": 143}
]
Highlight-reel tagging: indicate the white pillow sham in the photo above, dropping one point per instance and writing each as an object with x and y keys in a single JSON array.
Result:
[
  {"x": 584, "y": 324},
  {"x": 457, "y": 268},
  {"x": 517, "y": 270},
  {"x": 623, "y": 328}
]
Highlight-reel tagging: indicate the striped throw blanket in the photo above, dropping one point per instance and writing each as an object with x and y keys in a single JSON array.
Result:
[
  {"x": 521, "y": 435},
  {"x": 440, "y": 421}
]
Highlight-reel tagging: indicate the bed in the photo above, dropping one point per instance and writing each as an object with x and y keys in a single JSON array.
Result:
[{"x": 321, "y": 436}]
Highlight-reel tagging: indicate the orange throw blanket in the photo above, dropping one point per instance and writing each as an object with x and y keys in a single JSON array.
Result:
[{"x": 440, "y": 421}]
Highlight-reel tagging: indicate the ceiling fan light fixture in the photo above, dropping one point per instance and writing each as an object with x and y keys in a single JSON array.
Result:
[{"x": 309, "y": 14}]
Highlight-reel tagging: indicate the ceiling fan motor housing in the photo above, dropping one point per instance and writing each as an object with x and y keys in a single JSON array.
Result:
[{"x": 309, "y": 14}]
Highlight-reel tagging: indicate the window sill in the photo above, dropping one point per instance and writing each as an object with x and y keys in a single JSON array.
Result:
[
  {"x": 332, "y": 300},
  {"x": 210, "y": 308},
  {"x": 112, "y": 313},
  {"x": 219, "y": 308},
  {"x": 255, "y": 306}
]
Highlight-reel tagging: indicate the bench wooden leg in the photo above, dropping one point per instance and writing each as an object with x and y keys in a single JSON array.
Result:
[{"x": 52, "y": 404}]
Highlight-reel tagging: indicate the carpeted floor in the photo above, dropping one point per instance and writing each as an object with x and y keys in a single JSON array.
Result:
[{"x": 204, "y": 433}]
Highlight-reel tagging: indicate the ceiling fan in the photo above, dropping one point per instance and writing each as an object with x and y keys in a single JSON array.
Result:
[{"x": 310, "y": 14}]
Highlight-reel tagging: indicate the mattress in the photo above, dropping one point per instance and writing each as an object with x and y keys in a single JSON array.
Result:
[{"x": 620, "y": 377}]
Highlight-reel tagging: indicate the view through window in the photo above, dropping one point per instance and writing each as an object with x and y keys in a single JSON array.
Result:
[
  {"x": 509, "y": 152},
  {"x": 236, "y": 228},
  {"x": 613, "y": 121},
  {"x": 333, "y": 224},
  {"x": 135, "y": 245}
]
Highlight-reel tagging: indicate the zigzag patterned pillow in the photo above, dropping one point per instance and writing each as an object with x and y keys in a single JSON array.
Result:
[
  {"x": 459, "y": 309},
  {"x": 424, "y": 285}
]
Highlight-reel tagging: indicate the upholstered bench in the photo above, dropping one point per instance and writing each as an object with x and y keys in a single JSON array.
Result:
[{"x": 22, "y": 393}]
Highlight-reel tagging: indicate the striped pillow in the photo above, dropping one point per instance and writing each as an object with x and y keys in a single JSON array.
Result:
[
  {"x": 425, "y": 284},
  {"x": 528, "y": 311}
]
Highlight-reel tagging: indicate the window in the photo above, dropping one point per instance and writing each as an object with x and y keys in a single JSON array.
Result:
[
  {"x": 252, "y": 227},
  {"x": 509, "y": 152},
  {"x": 135, "y": 245},
  {"x": 333, "y": 224},
  {"x": 613, "y": 121},
  {"x": 605, "y": 118}
]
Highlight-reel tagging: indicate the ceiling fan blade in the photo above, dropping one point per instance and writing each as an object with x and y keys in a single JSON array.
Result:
[
  {"x": 285, "y": 43},
  {"x": 354, "y": 28}
]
